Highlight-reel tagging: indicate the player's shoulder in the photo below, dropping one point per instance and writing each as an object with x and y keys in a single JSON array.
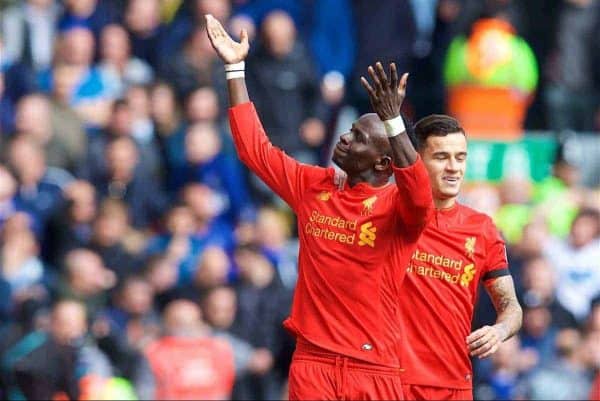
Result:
[{"x": 470, "y": 215}]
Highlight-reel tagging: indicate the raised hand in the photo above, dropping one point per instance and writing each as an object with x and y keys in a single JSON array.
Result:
[
  {"x": 386, "y": 95},
  {"x": 229, "y": 50}
]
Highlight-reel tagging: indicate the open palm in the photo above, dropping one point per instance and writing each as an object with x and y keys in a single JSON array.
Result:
[{"x": 228, "y": 49}]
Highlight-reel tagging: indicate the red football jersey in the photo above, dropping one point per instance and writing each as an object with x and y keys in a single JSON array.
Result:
[
  {"x": 458, "y": 248},
  {"x": 354, "y": 245},
  {"x": 192, "y": 368}
]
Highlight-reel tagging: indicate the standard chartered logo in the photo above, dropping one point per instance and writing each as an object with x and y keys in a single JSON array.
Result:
[
  {"x": 367, "y": 235},
  {"x": 467, "y": 275}
]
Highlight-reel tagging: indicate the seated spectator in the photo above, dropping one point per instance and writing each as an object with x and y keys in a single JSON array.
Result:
[
  {"x": 33, "y": 119},
  {"x": 146, "y": 32},
  {"x": 9, "y": 203},
  {"x": 263, "y": 303},
  {"x": 273, "y": 236},
  {"x": 195, "y": 64},
  {"x": 539, "y": 289},
  {"x": 219, "y": 307},
  {"x": 39, "y": 189},
  {"x": 179, "y": 243},
  {"x": 165, "y": 112},
  {"x": 207, "y": 207},
  {"x": 117, "y": 64},
  {"x": 538, "y": 334},
  {"x": 564, "y": 378},
  {"x": 85, "y": 279},
  {"x": 70, "y": 226},
  {"x": 92, "y": 14},
  {"x": 91, "y": 97},
  {"x": 20, "y": 265},
  {"x": 133, "y": 317},
  {"x": 575, "y": 261},
  {"x": 58, "y": 359},
  {"x": 211, "y": 271},
  {"x": 189, "y": 362},
  {"x": 127, "y": 181},
  {"x": 142, "y": 130},
  {"x": 110, "y": 231},
  {"x": 206, "y": 162},
  {"x": 162, "y": 273},
  {"x": 281, "y": 69}
]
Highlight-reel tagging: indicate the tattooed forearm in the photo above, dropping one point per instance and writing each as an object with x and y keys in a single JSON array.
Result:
[{"x": 509, "y": 312}]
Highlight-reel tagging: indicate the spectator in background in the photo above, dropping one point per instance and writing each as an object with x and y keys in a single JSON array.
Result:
[
  {"x": 91, "y": 97},
  {"x": 564, "y": 378},
  {"x": 17, "y": 79},
  {"x": 491, "y": 76},
  {"x": 273, "y": 236},
  {"x": 387, "y": 33},
  {"x": 162, "y": 274},
  {"x": 33, "y": 119},
  {"x": 39, "y": 191},
  {"x": 220, "y": 308},
  {"x": 85, "y": 279},
  {"x": 20, "y": 265},
  {"x": 110, "y": 233},
  {"x": 193, "y": 65},
  {"x": 212, "y": 270},
  {"x": 142, "y": 130},
  {"x": 92, "y": 14},
  {"x": 538, "y": 335},
  {"x": 130, "y": 183},
  {"x": 133, "y": 317},
  {"x": 207, "y": 163},
  {"x": 146, "y": 32},
  {"x": 68, "y": 128},
  {"x": 575, "y": 261},
  {"x": 189, "y": 362},
  {"x": 263, "y": 303},
  {"x": 206, "y": 206},
  {"x": 571, "y": 96},
  {"x": 29, "y": 31},
  {"x": 117, "y": 64},
  {"x": 281, "y": 69},
  {"x": 539, "y": 289},
  {"x": 179, "y": 243},
  {"x": 9, "y": 203},
  {"x": 165, "y": 113},
  {"x": 70, "y": 226}
]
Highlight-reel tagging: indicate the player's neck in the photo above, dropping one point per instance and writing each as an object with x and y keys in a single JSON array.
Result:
[
  {"x": 444, "y": 203},
  {"x": 374, "y": 180}
]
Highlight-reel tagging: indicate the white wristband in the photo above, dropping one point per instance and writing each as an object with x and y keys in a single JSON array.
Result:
[
  {"x": 236, "y": 70},
  {"x": 394, "y": 127}
]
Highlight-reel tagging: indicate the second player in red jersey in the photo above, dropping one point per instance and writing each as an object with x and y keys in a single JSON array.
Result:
[
  {"x": 459, "y": 248},
  {"x": 354, "y": 243}
]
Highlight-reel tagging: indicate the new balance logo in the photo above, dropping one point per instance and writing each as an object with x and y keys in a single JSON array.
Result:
[{"x": 367, "y": 235}]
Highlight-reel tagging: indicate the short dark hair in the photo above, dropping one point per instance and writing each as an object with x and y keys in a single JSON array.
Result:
[{"x": 435, "y": 125}]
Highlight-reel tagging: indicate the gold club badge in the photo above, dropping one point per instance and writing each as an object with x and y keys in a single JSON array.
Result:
[
  {"x": 470, "y": 246},
  {"x": 368, "y": 205}
]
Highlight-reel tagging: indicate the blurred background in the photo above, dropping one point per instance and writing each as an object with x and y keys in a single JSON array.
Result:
[{"x": 140, "y": 259}]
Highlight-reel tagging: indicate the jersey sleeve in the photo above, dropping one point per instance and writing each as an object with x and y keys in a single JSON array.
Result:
[
  {"x": 415, "y": 201},
  {"x": 284, "y": 175},
  {"x": 496, "y": 262}
]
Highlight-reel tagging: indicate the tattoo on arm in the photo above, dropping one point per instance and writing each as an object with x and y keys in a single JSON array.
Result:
[{"x": 508, "y": 310}]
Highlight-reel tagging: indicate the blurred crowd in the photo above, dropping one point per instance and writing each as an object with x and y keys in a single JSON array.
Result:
[{"x": 140, "y": 259}]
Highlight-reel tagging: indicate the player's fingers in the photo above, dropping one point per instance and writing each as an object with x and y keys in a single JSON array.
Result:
[
  {"x": 481, "y": 348},
  {"x": 403, "y": 83},
  {"x": 393, "y": 75},
  {"x": 476, "y": 343},
  {"x": 490, "y": 352},
  {"x": 376, "y": 81},
  {"x": 244, "y": 37},
  {"x": 368, "y": 87},
  {"x": 381, "y": 74},
  {"x": 476, "y": 335}
]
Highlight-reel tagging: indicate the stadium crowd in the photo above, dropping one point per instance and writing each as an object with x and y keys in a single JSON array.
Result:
[{"x": 140, "y": 259}]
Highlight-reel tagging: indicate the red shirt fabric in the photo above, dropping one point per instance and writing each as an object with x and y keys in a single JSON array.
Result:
[
  {"x": 354, "y": 245},
  {"x": 458, "y": 248},
  {"x": 192, "y": 368}
]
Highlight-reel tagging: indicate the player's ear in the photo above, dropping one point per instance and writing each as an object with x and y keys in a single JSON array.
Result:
[{"x": 383, "y": 163}]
